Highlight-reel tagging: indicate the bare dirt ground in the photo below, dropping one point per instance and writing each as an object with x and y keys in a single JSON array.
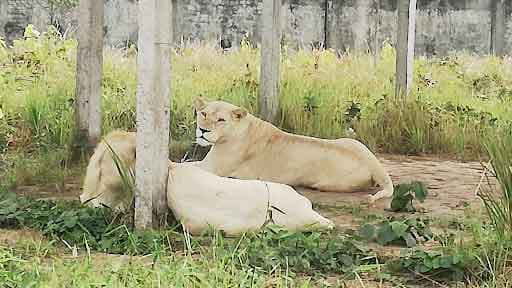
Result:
[
  {"x": 69, "y": 190},
  {"x": 452, "y": 186}
]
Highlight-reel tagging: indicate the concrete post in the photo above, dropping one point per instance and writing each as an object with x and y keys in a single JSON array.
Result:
[
  {"x": 405, "y": 46},
  {"x": 270, "y": 60},
  {"x": 498, "y": 27},
  {"x": 153, "y": 108},
  {"x": 89, "y": 69}
]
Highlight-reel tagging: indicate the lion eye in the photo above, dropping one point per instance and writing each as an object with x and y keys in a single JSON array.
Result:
[
  {"x": 203, "y": 114},
  {"x": 221, "y": 120}
]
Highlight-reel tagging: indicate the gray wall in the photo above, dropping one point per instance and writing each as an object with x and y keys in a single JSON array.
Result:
[{"x": 354, "y": 25}]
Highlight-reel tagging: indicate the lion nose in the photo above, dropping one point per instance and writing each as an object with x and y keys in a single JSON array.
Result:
[{"x": 204, "y": 130}]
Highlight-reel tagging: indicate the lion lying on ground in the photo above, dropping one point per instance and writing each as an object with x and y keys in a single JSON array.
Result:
[
  {"x": 246, "y": 147},
  {"x": 102, "y": 183},
  {"x": 200, "y": 199}
]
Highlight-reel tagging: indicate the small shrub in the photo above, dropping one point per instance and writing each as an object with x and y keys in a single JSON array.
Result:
[
  {"x": 98, "y": 228},
  {"x": 403, "y": 232},
  {"x": 437, "y": 264},
  {"x": 404, "y": 194},
  {"x": 303, "y": 252}
]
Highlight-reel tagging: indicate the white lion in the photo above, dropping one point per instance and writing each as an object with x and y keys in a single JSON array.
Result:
[
  {"x": 102, "y": 183},
  {"x": 246, "y": 147},
  {"x": 200, "y": 199}
]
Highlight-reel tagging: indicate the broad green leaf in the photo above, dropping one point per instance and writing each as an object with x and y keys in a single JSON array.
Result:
[
  {"x": 385, "y": 234},
  {"x": 427, "y": 261},
  {"x": 70, "y": 222},
  {"x": 424, "y": 269},
  {"x": 399, "y": 228},
  {"x": 436, "y": 264},
  {"x": 403, "y": 195},
  {"x": 457, "y": 258},
  {"x": 399, "y": 204},
  {"x": 420, "y": 191},
  {"x": 446, "y": 261},
  {"x": 367, "y": 231}
]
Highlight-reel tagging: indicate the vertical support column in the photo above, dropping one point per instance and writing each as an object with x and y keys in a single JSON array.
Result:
[
  {"x": 498, "y": 27},
  {"x": 330, "y": 25},
  {"x": 270, "y": 60},
  {"x": 153, "y": 108},
  {"x": 176, "y": 33},
  {"x": 405, "y": 46},
  {"x": 361, "y": 27},
  {"x": 89, "y": 70},
  {"x": 376, "y": 15}
]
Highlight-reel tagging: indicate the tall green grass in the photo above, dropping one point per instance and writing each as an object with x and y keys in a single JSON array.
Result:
[
  {"x": 456, "y": 101},
  {"x": 498, "y": 200},
  {"x": 216, "y": 267},
  {"x": 495, "y": 256},
  {"x": 316, "y": 89}
]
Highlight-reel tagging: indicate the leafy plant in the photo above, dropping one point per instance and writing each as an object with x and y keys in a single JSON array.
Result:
[
  {"x": 437, "y": 264},
  {"x": 404, "y": 232},
  {"x": 310, "y": 102},
  {"x": 404, "y": 194},
  {"x": 69, "y": 221},
  {"x": 99, "y": 229},
  {"x": 352, "y": 112},
  {"x": 305, "y": 251}
]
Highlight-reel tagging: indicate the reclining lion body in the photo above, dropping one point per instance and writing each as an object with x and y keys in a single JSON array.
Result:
[
  {"x": 246, "y": 147},
  {"x": 199, "y": 199},
  {"x": 102, "y": 183}
]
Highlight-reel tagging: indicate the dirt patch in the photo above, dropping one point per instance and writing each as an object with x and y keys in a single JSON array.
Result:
[
  {"x": 12, "y": 237},
  {"x": 70, "y": 189},
  {"x": 451, "y": 184}
]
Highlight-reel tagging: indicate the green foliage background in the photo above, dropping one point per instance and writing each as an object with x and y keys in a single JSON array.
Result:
[{"x": 456, "y": 101}]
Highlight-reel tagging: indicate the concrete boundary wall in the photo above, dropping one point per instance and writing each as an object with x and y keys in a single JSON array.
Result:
[{"x": 354, "y": 25}]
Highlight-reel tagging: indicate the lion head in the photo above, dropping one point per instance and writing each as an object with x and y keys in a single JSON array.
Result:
[{"x": 218, "y": 121}]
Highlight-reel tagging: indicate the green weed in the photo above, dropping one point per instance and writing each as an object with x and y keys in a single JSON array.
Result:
[
  {"x": 436, "y": 264},
  {"x": 498, "y": 202},
  {"x": 69, "y": 221},
  {"x": 101, "y": 230},
  {"x": 305, "y": 252},
  {"x": 12, "y": 273},
  {"x": 404, "y": 194},
  {"x": 402, "y": 231}
]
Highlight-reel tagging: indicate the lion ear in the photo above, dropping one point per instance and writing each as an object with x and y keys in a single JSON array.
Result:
[
  {"x": 239, "y": 113},
  {"x": 199, "y": 102}
]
